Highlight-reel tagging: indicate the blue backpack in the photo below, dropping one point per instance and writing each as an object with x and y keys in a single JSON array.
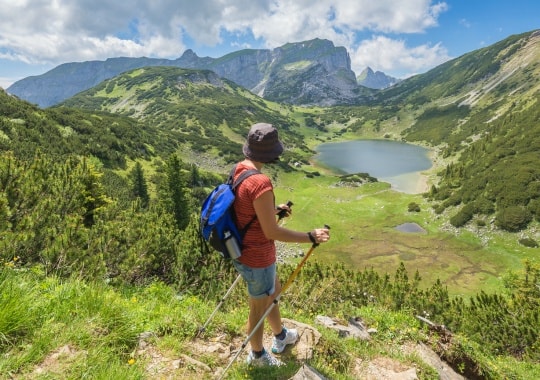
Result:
[{"x": 218, "y": 220}]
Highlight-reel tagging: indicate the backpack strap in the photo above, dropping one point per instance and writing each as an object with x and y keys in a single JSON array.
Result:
[
  {"x": 241, "y": 177},
  {"x": 235, "y": 184}
]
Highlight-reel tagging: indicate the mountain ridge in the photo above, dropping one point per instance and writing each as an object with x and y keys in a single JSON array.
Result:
[{"x": 309, "y": 72}]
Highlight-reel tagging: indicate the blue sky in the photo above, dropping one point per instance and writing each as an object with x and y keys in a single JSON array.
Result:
[{"x": 399, "y": 38}]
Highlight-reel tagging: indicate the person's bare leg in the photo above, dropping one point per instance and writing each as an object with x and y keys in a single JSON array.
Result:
[
  {"x": 257, "y": 308},
  {"x": 274, "y": 318}
]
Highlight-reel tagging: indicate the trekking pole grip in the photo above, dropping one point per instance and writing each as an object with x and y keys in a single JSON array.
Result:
[{"x": 312, "y": 238}]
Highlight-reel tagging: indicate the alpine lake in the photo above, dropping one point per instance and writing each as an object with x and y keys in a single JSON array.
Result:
[{"x": 397, "y": 163}]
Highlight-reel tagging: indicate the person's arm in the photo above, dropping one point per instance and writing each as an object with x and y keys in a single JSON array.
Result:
[{"x": 266, "y": 214}]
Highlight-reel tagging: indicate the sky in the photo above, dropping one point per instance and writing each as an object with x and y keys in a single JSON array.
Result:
[{"x": 398, "y": 37}]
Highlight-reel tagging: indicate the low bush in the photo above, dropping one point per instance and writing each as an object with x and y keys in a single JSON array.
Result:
[
  {"x": 413, "y": 207},
  {"x": 513, "y": 218},
  {"x": 528, "y": 242}
]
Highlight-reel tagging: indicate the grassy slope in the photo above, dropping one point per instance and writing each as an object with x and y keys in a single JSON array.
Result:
[{"x": 69, "y": 330}]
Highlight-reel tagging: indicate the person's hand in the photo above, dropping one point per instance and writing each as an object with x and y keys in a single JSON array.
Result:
[
  {"x": 284, "y": 210},
  {"x": 320, "y": 235}
]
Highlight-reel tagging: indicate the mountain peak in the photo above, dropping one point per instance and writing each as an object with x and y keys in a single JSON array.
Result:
[
  {"x": 189, "y": 54},
  {"x": 376, "y": 80}
]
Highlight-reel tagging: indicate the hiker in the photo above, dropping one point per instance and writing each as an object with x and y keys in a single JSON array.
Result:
[{"x": 257, "y": 263}]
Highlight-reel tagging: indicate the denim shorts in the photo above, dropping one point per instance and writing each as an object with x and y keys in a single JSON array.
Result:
[{"x": 261, "y": 282}]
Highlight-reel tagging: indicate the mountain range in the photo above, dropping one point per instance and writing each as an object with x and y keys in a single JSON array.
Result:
[{"x": 312, "y": 72}]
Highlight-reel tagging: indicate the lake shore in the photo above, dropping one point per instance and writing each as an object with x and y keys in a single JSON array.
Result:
[{"x": 409, "y": 183}]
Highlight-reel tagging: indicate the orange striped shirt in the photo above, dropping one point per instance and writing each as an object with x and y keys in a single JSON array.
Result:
[{"x": 257, "y": 250}]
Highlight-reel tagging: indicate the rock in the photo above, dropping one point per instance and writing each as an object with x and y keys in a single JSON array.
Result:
[
  {"x": 380, "y": 373},
  {"x": 383, "y": 369},
  {"x": 355, "y": 329},
  {"x": 307, "y": 373},
  {"x": 190, "y": 361},
  {"x": 308, "y": 338},
  {"x": 429, "y": 357}
]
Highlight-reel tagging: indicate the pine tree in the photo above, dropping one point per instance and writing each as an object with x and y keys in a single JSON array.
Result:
[
  {"x": 195, "y": 177},
  {"x": 176, "y": 188},
  {"x": 139, "y": 186}
]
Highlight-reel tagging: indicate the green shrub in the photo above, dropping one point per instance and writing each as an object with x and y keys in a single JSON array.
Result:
[
  {"x": 481, "y": 223},
  {"x": 463, "y": 216},
  {"x": 513, "y": 218},
  {"x": 414, "y": 207},
  {"x": 534, "y": 208},
  {"x": 438, "y": 208},
  {"x": 484, "y": 206},
  {"x": 528, "y": 242},
  {"x": 454, "y": 200}
]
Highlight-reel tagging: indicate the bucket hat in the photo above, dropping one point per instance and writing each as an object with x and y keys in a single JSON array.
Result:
[{"x": 262, "y": 144}]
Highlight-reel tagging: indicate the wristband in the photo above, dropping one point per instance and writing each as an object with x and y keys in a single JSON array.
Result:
[{"x": 312, "y": 238}]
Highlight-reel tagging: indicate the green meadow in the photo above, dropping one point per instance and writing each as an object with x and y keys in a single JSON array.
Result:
[{"x": 363, "y": 223}]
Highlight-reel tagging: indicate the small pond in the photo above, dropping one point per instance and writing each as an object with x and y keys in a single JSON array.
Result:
[{"x": 411, "y": 228}]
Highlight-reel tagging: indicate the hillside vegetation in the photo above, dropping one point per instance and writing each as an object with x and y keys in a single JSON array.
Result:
[
  {"x": 26, "y": 129},
  {"x": 198, "y": 110}
]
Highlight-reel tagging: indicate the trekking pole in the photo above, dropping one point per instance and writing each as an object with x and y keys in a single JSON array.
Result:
[
  {"x": 274, "y": 303},
  {"x": 203, "y": 328},
  {"x": 281, "y": 215}
]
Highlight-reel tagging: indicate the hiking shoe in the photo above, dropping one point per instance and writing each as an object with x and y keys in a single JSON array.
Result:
[
  {"x": 291, "y": 336},
  {"x": 266, "y": 359}
]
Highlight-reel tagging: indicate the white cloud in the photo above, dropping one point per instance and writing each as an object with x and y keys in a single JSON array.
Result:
[
  {"x": 339, "y": 20},
  {"x": 56, "y": 31},
  {"x": 5, "y": 82},
  {"x": 465, "y": 23},
  {"x": 395, "y": 57},
  {"x": 412, "y": 16}
]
